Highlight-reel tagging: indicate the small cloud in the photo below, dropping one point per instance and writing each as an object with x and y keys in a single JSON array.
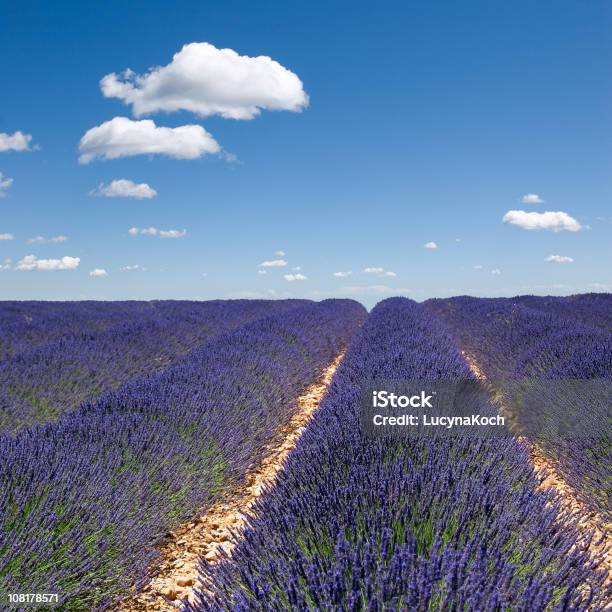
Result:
[
  {"x": 379, "y": 271},
  {"x": 153, "y": 231},
  {"x": 295, "y": 277},
  {"x": 43, "y": 240},
  {"x": 457, "y": 239},
  {"x": 6, "y": 264},
  {"x": 98, "y": 272},
  {"x": 342, "y": 274},
  {"x": 274, "y": 263},
  {"x": 133, "y": 268},
  {"x": 296, "y": 268},
  {"x": 496, "y": 271},
  {"x": 262, "y": 271},
  {"x": 5, "y": 183},
  {"x": 204, "y": 274},
  {"x": 532, "y": 198},
  {"x": 31, "y": 262},
  {"x": 478, "y": 267},
  {"x": 430, "y": 245},
  {"x": 122, "y": 137},
  {"x": 600, "y": 286},
  {"x": 124, "y": 188},
  {"x": 556, "y": 221},
  {"x": 7, "y": 237},
  {"x": 280, "y": 253},
  {"x": 560, "y": 259},
  {"x": 15, "y": 142}
]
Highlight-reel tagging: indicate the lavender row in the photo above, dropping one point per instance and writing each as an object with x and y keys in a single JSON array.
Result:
[
  {"x": 357, "y": 523},
  {"x": 513, "y": 341},
  {"x": 593, "y": 309},
  {"x": 27, "y": 325},
  {"x": 40, "y": 385},
  {"x": 90, "y": 495}
]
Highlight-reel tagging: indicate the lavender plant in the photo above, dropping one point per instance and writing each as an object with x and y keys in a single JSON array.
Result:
[
  {"x": 547, "y": 339},
  {"x": 357, "y": 523},
  {"x": 88, "y": 497},
  {"x": 41, "y": 384}
]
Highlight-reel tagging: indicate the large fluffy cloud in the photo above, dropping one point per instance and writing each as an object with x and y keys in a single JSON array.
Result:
[
  {"x": 31, "y": 262},
  {"x": 153, "y": 231},
  {"x": 122, "y": 137},
  {"x": 15, "y": 142},
  {"x": 5, "y": 183},
  {"x": 209, "y": 81},
  {"x": 124, "y": 188},
  {"x": 555, "y": 221}
]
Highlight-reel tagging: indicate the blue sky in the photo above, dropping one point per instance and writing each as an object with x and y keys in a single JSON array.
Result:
[{"x": 426, "y": 122}]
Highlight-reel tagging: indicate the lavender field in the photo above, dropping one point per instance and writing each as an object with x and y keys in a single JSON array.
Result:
[{"x": 122, "y": 422}]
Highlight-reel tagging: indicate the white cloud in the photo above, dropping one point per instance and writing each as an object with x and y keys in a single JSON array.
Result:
[
  {"x": 124, "y": 188},
  {"x": 122, "y": 137},
  {"x": 134, "y": 268},
  {"x": 262, "y": 271},
  {"x": 7, "y": 237},
  {"x": 43, "y": 240},
  {"x": 209, "y": 81},
  {"x": 296, "y": 268},
  {"x": 15, "y": 142},
  {"x": 5, "y": 265},
  {"x": 430, "y": 245},
  {"x": 496, "y": 271},
  {"x": 342, "y": 274},
  {"x": 532, "y": 198},
  {"x": 295, "y": 277},
  {"x": 274, "y": 263},
  {"x": 478, "y": 267},
  {"x": 600, "y": 286},
  {"x": 457, "y": 239},
  {"x": 554, "y": 221},
  {"x": 98, "y": 272},
  {"x": 31, "y": 262},
  {"x": 560, "y": 259},
  {"x": 5, "y": 183},
  {"x": 379, "y": 271},
  {"x": 280, "y": 253},
  {"x": 153, "y": 231}
]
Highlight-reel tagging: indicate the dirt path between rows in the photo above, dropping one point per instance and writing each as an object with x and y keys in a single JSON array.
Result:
[
  {"x": 589, "y": 521},
  {"x": 207, "y": 535}
]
